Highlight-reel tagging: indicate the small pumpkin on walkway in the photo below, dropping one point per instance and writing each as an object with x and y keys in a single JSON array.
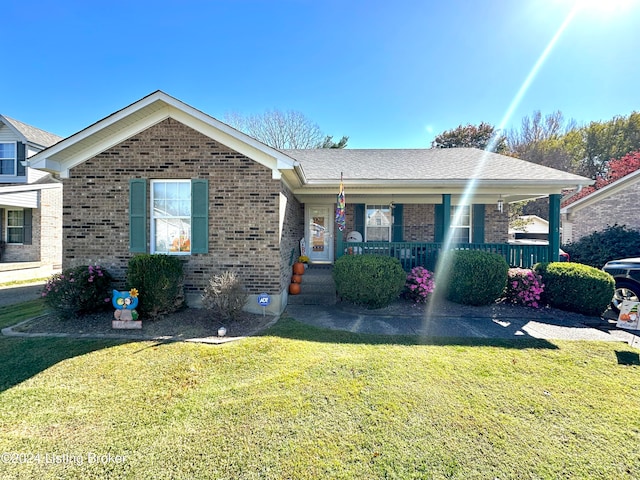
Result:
[
  {"x": 298, "y": 268},
  {"x": 294, "y": 289},
  {"x": 295, "y": 278}
]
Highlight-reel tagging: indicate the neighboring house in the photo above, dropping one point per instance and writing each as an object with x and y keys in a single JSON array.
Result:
[
  {"x": 533, "y": 228},
  {"x": 30, "y": 204},
  {"x": 616, "y": 203},
  {"x": 160, "y": 176}
]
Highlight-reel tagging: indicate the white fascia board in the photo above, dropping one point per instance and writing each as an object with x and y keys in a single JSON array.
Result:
[
  {"x": 54, "y": 159},
  {"x": 605, "y": 191},
  {"x": 234, "y": 139}
]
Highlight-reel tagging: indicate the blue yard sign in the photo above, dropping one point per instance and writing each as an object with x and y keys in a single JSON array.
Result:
[{"x": 264, "y": 300}]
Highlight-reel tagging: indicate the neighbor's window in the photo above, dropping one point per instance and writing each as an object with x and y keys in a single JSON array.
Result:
[
  {"x": 7, "y": 158},
  {"x": 378, "y": 223},
  {"x": 15, "y": 226},
  {"x": 461, "y": 224},
  {"x": 171, "y": 216}
]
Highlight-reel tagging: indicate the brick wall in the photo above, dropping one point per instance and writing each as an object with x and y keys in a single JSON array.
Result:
[
  {"x": 244, "y": 229},
  {"x": 419, "y": 223},
  {"x": 496, "y": 225},
  {"x": 619, "y": 208},
  {"x": 50, "y": 224}
]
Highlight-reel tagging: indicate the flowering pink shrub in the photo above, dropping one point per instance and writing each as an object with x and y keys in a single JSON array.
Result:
[
  {"x": 419, "y": 284},
  {"x": 78, "y": 290},
  {"x": 524, "y": 287}
]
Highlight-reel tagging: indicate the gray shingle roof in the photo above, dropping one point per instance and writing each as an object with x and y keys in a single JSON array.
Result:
[
  {"x": 33, "y": 134},
  {"x": 446, "y": 164}
]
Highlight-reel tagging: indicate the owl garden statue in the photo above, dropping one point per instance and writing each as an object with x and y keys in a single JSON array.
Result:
[{"x": 125, "y": 304}]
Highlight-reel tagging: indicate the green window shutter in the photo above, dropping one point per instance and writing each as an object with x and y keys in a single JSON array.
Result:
[
  {"x": 21, "y": 157},
  {"x": 27, "y": 229},
  {"x": 398, "y": 223},
  {"x": 359, "y": 225},
  {"x": 138, "y": 215},
  {"x": 199, "y": 216},
  {"x": 477, "y": 225},
  {"x": 439, "y": 223}
]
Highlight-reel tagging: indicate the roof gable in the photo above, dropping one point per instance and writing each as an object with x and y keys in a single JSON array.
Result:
[
  {"x": 604, "y": 192},
  {"x": 139, "y": 116},
  {"x": 29, "y": 134}
]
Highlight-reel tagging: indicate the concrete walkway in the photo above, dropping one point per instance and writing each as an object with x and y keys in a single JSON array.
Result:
[{"x": 362, "y": 321}]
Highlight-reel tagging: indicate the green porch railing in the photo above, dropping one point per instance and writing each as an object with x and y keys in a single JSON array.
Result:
[{"x": 412, "y": 254}]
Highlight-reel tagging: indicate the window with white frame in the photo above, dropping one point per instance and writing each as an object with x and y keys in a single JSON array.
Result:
[
  {"x": 378, "y": 223},
  {"x": 8, "y": 158},
  {"x": 460, "y": 224},
  {"x": 171, "y": 216},
  {"x": 15, "y": 226}
]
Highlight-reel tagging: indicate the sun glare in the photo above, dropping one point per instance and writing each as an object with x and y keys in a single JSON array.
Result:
[{"x": 603, "y": 6}]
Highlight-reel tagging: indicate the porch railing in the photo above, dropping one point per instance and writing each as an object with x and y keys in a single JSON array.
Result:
[{"x": 412, "y": 254}]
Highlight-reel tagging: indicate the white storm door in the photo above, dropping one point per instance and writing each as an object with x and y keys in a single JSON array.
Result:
[{"x": 319, "y": 233}]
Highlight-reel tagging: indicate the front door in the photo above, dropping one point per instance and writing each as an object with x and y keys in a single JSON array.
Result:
[{"x": 319, "y": 233}]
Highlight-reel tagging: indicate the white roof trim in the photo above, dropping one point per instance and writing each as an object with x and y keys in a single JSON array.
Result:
[
  {"x": 605, "y": 191},
  {"x": 143, "y": 114},
  {"x": 26, "y": 188}
]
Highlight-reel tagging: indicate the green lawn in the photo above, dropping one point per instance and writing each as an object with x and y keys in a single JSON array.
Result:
[{"x": 300, "y": 402}]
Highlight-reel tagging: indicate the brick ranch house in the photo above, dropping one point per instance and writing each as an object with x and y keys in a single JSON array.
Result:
[
  {"x": 616, "y": 203},
  {"x": 160, "y": 176}
]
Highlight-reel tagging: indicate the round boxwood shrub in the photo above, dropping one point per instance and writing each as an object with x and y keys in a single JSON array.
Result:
[
  {"x": 160, "y": 281},
  {"x": 474, "y": 277},
  {"x": 371, "y": 280},
  {"x": 575, "y": 287}
]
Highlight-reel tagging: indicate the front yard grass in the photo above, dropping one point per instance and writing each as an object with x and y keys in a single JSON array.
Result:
[{"x": 300, "y": 402}]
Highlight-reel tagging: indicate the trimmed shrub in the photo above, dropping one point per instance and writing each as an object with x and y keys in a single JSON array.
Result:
[
  {"x": 78, "y": 290},
  {"x": 160, "y": 281},
  {"x": 575, "y": 287},
  {"x": 371, "y": 280},
  {"x": 524, "y": 287},
  {"x": 419, "y": 285},
  {"x": 225, "y": 295},
  {"x": 609, "y": 244},
  {"x": 474, "y": 277}
]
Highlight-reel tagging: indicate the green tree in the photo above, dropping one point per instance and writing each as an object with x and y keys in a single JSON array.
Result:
[{"x": 483, "y": 136}]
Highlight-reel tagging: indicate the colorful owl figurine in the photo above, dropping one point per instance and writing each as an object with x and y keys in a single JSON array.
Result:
[{"x": 125, "y": 304}]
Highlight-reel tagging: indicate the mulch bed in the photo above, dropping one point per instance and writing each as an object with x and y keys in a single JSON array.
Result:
[{"x": 187, "y": 323}]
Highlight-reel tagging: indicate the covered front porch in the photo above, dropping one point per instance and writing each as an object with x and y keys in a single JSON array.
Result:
[
  {"x": 415, "y": 204},
  {"x": 464, "y": 229}
]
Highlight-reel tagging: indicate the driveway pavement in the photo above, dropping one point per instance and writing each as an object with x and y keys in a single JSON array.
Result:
[
  {"x": 21, "y": 293},
  {"x": 363, "y": 321}
]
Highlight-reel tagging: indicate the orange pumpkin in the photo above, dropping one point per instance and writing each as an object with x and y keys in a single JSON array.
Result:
[
  {"x": 298, "y": 268},
  {"x": 295, "y": 278},
  {"x": 294, "y": 289}
]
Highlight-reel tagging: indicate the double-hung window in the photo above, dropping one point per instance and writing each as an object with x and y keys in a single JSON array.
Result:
[
  {"x": 460, "y": 224},
  {"x": 177, "y": 222},
  {"x": 15, "y": 226},
  {"x": 171, "y": 216},
  {"x": 379, "y": 221},
  {"x": 8, "y": 158}
]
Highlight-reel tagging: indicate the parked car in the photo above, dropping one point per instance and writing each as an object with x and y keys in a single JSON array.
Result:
[{"x": 626, "y": 273}]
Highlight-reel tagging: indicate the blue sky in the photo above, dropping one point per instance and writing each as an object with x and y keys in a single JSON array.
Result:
[{"x": 389, "y": 74}]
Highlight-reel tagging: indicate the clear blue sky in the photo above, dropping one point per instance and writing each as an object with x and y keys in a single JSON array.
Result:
[{"x": 389, "y": 74}]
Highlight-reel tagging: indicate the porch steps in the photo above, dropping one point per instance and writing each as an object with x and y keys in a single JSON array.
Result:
[{"x": 317, "y": 287}]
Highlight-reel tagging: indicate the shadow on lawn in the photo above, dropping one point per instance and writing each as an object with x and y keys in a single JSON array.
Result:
[
  {"x": 23, "y": 358},
  {"x": 288, "y": 327}
]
